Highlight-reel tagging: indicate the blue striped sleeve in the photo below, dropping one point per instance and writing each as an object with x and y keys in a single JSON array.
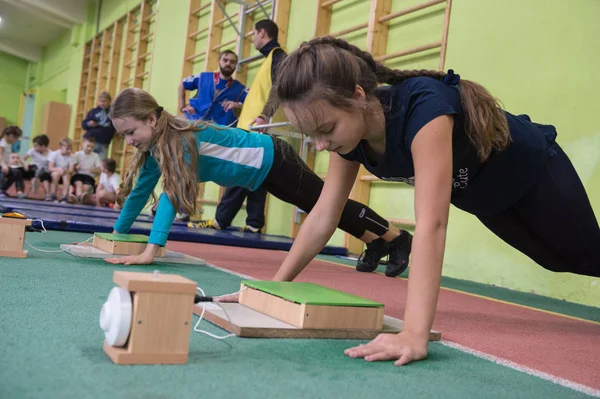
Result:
[{"x": 191, "y": 82}]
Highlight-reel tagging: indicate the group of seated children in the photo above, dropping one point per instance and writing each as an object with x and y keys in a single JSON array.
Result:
[{"x": 76, "y": 172}]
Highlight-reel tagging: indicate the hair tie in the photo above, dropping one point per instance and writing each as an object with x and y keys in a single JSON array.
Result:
[
  {"x": 159, "y": 110},
  {"x": 451, "y": 79}
]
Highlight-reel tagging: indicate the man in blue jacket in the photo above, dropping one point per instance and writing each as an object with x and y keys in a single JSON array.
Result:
[
  {"x": 218, "y": 94},
  {"x": 99, "y": 126}
]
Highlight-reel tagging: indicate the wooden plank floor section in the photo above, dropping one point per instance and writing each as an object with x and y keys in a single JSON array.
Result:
[{"x": 249, "y": 323}]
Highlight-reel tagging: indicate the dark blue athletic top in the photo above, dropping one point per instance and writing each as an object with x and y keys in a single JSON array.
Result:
[{"x": 478, "y": 188}]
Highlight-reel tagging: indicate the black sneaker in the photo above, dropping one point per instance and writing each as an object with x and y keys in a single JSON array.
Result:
[
  {"x": 369, "y": 259},
  {"x": 399, "y": 250}
]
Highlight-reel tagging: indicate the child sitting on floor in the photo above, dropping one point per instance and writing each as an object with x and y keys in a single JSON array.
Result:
[
  {"x": 10, "y": 141},
  {"x": 38, "y": 169},
  {"x": 87, "y": 165},
  {"x": 59, "y": 163},
  {"x": 17, "y": 169},
  {"x": 108, "y": 188}
]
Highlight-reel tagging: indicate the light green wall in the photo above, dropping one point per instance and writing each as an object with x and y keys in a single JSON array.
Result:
[
  {"x": 522, "y": 57},
  {"x": 168, "y": 52},
  {"x": 113, "y": 10},
  {"x": 52, "y": 80},
  {"x": 12, "y": 84},
  {"x": 57, "y": 74},
  {"x": 542, "y": 60}
]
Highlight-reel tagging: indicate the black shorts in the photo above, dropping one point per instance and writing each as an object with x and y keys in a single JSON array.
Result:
[
  {"x": 85, "y": 179},
  {"x": 40, "y": 173}
]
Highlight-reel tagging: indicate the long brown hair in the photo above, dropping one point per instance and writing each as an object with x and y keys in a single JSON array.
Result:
[
  {"x": 173, "y": 146},
  {"x": 330, "y": 69},
  {"x": 11, "y": 130}
]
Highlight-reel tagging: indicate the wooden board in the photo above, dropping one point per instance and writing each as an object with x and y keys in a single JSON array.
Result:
[
  {"x": 154, "y": 282},
  {"x": 123, "y": 356},
  {"x": 308, "y": 293},
  {"x": 9, "y": 254},
  {"x": 139, "y": 238},
  {"x": 306, "y": 315},
  {"x": 121, "y": 247},
  {"x": 248, "y": 323}
]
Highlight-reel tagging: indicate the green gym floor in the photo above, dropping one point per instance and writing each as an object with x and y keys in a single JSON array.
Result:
[{"x": 51, "y": 343}]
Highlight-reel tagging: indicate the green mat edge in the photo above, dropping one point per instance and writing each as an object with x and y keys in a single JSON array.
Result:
[
  {"x": 138, "y": 238},
  {"x": 267, "y": 286}
]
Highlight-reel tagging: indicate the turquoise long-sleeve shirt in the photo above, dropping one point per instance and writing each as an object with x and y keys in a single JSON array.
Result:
[{"x": 227, "y": 156}]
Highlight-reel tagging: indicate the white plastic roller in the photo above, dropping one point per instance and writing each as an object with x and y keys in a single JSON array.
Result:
[{"x": 115, "y": 317}]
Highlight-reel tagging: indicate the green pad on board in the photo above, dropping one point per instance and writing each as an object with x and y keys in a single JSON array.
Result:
[
  {"x": 310, "y": 294},
  {"x": 123, "y": 237}
]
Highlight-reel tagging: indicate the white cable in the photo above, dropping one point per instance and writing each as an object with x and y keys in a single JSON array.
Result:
[
  {"x": 41, "y": 222},
  {"x": 202, "y": 316},
  {"x": 224, "y": 311},
  {"x": 60, "y": 250},
  {"x": 237, "y": 292}
]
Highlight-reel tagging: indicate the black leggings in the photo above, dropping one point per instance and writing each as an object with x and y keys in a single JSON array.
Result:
[
  {"x": 554, "y": 223},
  {"x": 291, "y": 180},
  {"x": 14, "y": 175}
]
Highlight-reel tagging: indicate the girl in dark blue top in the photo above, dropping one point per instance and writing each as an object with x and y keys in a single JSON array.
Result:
[{"x": 449, "y": 139}]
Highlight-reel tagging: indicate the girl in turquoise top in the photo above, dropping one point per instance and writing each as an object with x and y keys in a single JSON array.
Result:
[{"x": 186, "y": 154}]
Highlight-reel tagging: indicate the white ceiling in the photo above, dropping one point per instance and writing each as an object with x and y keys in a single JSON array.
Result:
[{"x": 29, "y": 25}]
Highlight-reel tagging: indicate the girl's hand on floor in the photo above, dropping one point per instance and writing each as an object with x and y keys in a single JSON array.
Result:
[
  {"x": 131, "y": 260},
  {"x": 404, "y": 348}
]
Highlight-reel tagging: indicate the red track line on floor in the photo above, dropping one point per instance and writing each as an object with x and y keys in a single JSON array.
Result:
[{"x": 559, "y": 346}]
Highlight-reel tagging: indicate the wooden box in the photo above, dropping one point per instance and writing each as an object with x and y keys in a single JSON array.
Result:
[
  {"x": 161, "y": 319},
  {"x": 311, "y": 306},
  {"x": 124, "y": 244},
  {"x": 12, "y": 237}
]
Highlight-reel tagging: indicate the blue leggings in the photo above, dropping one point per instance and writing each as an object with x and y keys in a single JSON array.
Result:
[{"x": 554, "y": 223}]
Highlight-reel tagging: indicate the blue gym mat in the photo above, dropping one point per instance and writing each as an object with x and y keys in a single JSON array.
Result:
[
  {"x": 69, "y": 209},
  {"x": 87, "y": 219},
  {"x": 9, "y": 202}
]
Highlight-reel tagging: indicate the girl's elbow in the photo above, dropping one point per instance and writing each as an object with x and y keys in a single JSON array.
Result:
[{"x": 433, "y": 225}]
